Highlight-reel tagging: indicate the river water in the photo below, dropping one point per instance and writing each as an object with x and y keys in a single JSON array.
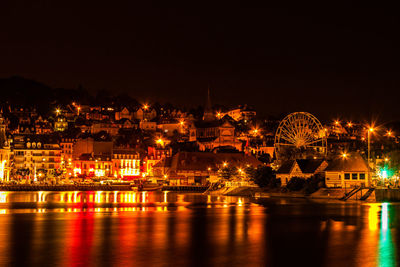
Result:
[{"x": 169, "y": 229}]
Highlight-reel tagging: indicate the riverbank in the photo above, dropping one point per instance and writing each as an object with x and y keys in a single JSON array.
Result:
[
  {"x": 90, "y": 187},
  {"x": 65, "y": 188},
  {"x": 322, "y": 193}
]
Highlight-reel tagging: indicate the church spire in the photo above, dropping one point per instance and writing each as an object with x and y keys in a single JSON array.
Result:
[{"x": 208, "y": 112}]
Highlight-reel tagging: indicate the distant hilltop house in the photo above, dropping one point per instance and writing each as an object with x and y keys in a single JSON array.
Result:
[
  {"x": 241, "y": 113},
  {"x": 348, "y": 171},
  {"x": 303, "y": 168}
]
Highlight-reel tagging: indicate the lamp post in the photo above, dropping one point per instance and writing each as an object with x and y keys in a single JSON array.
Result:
[{"x": 370, "y": 130}]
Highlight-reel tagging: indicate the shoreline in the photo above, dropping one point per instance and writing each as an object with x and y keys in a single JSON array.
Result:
[{"x": 322, "y": 193}]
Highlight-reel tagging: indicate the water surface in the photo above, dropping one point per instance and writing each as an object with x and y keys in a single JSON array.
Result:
[{"x": 169, "y": 229}]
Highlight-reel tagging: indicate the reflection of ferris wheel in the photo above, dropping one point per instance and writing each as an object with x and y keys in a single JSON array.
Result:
[{"x": 300, "y": 132}]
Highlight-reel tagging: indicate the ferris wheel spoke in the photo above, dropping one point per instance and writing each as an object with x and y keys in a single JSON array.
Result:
[
  {"x": 288, "y": 131},
  {"x": 313, "y": 142},
  {"x": 288, "y": 138}
]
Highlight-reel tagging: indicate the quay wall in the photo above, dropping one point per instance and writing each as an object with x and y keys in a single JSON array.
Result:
[
  {"x": 65, "y": 188},
  {"x": 383, "y": 195}
]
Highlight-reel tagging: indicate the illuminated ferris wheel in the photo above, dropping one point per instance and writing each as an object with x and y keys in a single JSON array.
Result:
[{"x": 300, "y": 134}]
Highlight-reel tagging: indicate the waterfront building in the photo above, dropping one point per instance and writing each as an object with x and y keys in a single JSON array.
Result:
[
  {"x": 92, "y": 146},
  {"x": 5, "y": 152},
  {"x": 303, "y": 168},
  {"x": 187, "y": 168},
  {"x": 93, "y": 166},
  {"x": 67, "y": 145},
  {"x": 126, "y": 163},
  {"x": 36, "y": 156},
  {"x": 349, "y": 171},
  {"x": 154, "y": 155}
]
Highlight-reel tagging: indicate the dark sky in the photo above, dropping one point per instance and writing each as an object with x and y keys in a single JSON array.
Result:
[{"x": 331, "y": 60}]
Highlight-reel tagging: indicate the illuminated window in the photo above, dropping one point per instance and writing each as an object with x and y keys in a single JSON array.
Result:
[{"x": 347, "y": 176}]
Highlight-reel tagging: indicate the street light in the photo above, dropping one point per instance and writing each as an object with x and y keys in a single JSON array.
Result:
[
  {"x": 370, "y": 130},
  {"x": 160, "y": 142}
]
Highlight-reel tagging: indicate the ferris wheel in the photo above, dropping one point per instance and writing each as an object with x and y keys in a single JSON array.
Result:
[{"x": 300, "y": 134}]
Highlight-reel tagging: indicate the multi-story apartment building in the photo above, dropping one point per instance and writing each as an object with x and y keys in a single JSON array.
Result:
[
  {"x": 126, "y": 163},
  {"x": 36, "y": 156}
]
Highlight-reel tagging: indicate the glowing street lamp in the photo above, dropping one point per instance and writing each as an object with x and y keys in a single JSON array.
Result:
[
  {"x": 160, "y": 141},
  {"x": 344, "y": 155},
  {"x": 255, "y": 131},
  {"x": 145, "y": 107},
  {"x": 225, "y": 164},
  {"x": 370, "y": 130},
  {"x": 350, "y": 124},
  {"x": 58, "y": 111}
]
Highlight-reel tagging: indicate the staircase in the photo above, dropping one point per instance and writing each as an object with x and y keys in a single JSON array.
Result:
[
  {"x": 350, "y": 194},
  {"x": 367, "y": 194}
]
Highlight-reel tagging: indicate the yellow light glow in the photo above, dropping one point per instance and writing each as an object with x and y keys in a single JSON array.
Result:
[
  {"x": 145, "y": 106},
  {"x": 371, "y": 129},
  {"x": 344, "y": 155},
  {"x": 350, "y": 124},
  {"x": 225, "y": 164},
  {"x": 160, "y": 142}
]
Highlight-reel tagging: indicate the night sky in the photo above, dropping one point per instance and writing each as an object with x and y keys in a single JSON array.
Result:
[{"x": 331, "y": 60}]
